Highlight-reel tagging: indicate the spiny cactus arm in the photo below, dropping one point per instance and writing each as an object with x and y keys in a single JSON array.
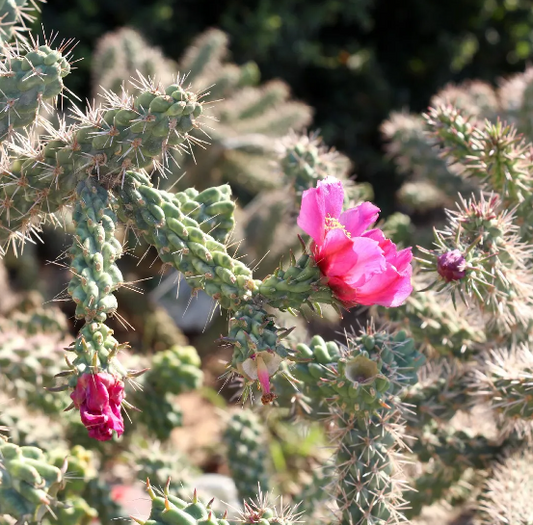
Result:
[
  {"x": 504, "y": 382},
  {"x": 28, "y": 483},
  {"x": 204, "y": 55},
  {"x": 370, "y": 484},
  {"x": 173, "y": 371},
  {"x": 435, "y": 324},
  {"x": 362, "y": 376},
  {"x": 164, "y": 219},
  {"x": 14, "y": 15},
  {"x": 213, "y": 209},
  {"x": 305, "y": 158},
  {"x": 442, "y": 390},
  {"x": 181, "y": 242},
  {"x": 359, "y": 385},
  {"x": 94, "y": 252},
  {"x": 245, "y": 440},
  {"x": 95, "y": 374},
  {"x": 257, "y": 349},
  {"x": 300, "y": 283},
  {"x": 168, "y": 509},
  {"x": 494, "y": 154},
  {"x": 132, "y": 133},
  {"x": 29, "y": 77},
  {"x": 35, "y": 189},
  {"x": 480, "y": 256},
  {"x": 506, "y": 496}
]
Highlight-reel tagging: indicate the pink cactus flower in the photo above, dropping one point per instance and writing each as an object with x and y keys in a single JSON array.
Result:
[
  {"x": 99, "y": 397},
  {"x": 362, "y": 266}
]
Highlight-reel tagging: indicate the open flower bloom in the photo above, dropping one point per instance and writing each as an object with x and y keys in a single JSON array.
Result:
[
  {"x": 362, "y": 266},
  {"x": 99, "y": 397}
]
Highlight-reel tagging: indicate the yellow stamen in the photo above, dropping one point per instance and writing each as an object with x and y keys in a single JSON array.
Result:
[{"x": 334, "y": 224}]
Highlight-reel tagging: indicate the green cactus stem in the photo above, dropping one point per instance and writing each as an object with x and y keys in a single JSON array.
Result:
[
  {"x": 28, "y": 482},
  {"x": 181, "y": 242},
  {"x": 26, "y": 82},
  {"x": 94, "y": 252},
  {"x": 245, "y": 440}
]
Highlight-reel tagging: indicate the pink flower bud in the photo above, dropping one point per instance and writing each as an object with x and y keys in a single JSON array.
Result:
[
  {"x": 99, "y": 397},
  {"x": 451, "y": 266}
]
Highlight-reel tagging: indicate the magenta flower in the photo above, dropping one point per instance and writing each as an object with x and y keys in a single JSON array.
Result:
[
  {"x": 362, "y": 266},
  {"x": 99, "y": 398}
]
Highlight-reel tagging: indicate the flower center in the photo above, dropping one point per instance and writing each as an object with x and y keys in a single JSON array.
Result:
[{"x": 333, "y": 224}]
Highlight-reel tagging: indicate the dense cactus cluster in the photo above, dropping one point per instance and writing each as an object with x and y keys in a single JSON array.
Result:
[{"x": 429, "y": 405}]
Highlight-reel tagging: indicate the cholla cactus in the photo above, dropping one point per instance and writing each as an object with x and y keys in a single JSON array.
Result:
[
  {"x": 245, "y": 121},
  {"x": 475, "y": 310},
  {"x": 101, "y": 175}
]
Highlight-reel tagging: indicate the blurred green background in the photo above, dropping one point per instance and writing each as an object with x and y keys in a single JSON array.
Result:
[{"x": 353, "y": 61}]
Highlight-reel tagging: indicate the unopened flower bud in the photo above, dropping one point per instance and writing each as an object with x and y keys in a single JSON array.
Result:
[{"x": 451, "y": 265}]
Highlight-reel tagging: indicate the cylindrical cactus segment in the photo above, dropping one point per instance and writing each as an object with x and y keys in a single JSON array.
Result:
[
  {"x": 171, "y": 510},
  {"x": 245, "y": 439},
  {"x": 95, "y": 275},
  {"x": 132, "y": 132},
  {"x": 26, "y": 80},
  {"x": 96, "y": 350},
  {"x": 301, "y": 283},
  {"x": 28, "y": 482},
  {"x": 368, "y": 490},
  {"x": 257, "y": 348},
  {"x": 359, "y": 378},
  {"x": 181, "y": 242},
  {"x": 36, "y": 186},
  {"x": 175, "y": 371}
]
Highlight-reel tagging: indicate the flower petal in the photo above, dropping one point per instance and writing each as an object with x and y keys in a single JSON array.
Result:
[
  {"x": 354, "y": 260},
  {"x": 318, "y": 203},
  {"x": 390, "y": 288},
  {"x": 357, "y": 220},
  {"x": 399, "y": 259}
]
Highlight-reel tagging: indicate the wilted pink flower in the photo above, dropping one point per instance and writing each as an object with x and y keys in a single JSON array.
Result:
[
  {"x": 99, "y": 397},
  {"x": 261, "y": 367},
  {"x": 451, "y": 265},
  {"x": 363, "y": 267}
]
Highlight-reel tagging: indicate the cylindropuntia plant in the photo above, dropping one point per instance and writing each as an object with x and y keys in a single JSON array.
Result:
[{"x": 399, "y": 441}]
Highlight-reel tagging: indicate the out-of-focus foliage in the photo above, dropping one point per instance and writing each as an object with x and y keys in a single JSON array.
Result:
[{"x": 353, "y": 61}]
